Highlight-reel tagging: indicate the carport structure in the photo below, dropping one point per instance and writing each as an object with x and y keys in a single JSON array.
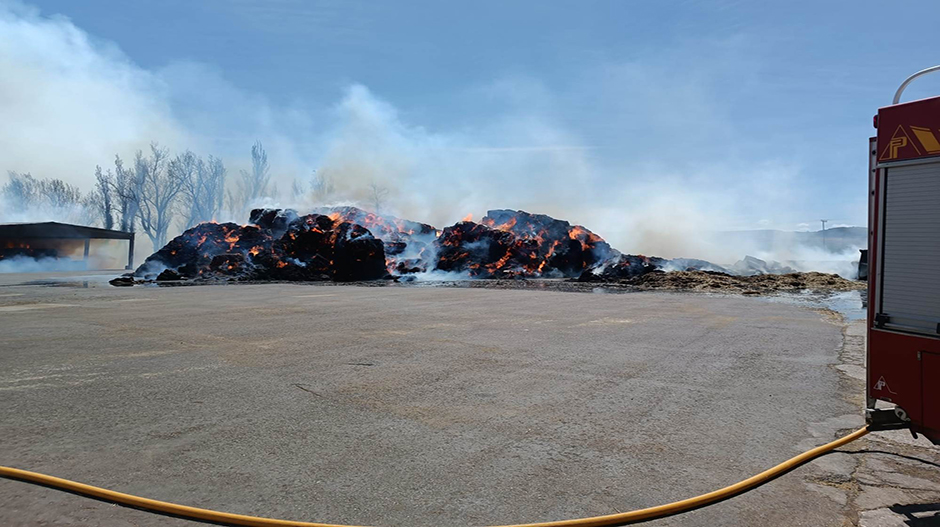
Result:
[{"x": 51, "y": 235}]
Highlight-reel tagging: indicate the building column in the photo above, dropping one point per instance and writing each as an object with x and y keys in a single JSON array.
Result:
[
  {"x": 87, "y": 246},
  {"x": 130, "y": 253}
]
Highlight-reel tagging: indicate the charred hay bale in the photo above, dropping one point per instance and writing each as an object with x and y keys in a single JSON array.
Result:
[
  {"x": 357, "y": 255},
  {"x": 306, "y": 237},
  {"x": 386, "y": 228},
  {"x": 315, "y": 247},
  {"x": 168, "y": 275},
  {"x": 694, "y": 264},
  {"x": 403, "y": 239},
  {"x": 525, "y": 224},
  {"x": 394, "y": 248},
  {"x": 274, "y": 220},
  {"x": 594, "y": 249},
  {"x": 230, "y": 265},
  {"x": 568, "y": 249},
  {"x": 522, "y": 259},
  {"x": 303, "y": 253},
  {"x": 181, "y": 253},
  {"x": 623, "y": 267},
  {"x": 567, "y": 257},
  {"x": 192, "y": 251},
  {"x": 125, "y": 280},
  {"x": 473, "y": 248},
  {"x": 279, "y": 267},
  {"x": 410, "y": 266}
]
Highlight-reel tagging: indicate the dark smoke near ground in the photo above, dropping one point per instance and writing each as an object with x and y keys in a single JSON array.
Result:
[{"x": 345, "y": 244}]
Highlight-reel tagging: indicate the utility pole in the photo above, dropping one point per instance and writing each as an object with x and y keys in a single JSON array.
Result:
[{"x": 824, "y": 234}]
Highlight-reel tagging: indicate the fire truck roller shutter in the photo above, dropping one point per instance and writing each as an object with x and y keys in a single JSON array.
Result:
[{"x": 911, "y": 273}]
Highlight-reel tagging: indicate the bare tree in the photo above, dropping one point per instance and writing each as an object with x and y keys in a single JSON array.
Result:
[
  {"x": 272, "y": 190},
  {"x": 213, "y": 187},
  {"x": 252, "y": 185},
  {"x": 234, "y": 203},
  {"x": 203, "y": 187},
  {"x": 257, "y": 181},
  {"x": 321, "y": 185},
  {"x": 297, "y": 188},
  {"x": 379, "y": 196},
  {"x": 123, "y": 189},
  {"x": 21, "y": 192},
  {"x": 100, "y": 201},
  {"x": 47, "y": 198},
  {"x": 155, "y": 188},
  {"x": 185, "y": 168},
  {"x": 58, "y": 194}
]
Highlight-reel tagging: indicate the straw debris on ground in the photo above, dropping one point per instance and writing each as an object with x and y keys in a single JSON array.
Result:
[{"x": 754, "y": 285}]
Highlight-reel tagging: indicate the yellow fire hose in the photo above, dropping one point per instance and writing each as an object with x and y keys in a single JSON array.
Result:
[{"x": 623, "y": 518}]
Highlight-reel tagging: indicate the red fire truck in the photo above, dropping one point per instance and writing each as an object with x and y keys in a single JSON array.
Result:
[{"x": 904, "y": 267}]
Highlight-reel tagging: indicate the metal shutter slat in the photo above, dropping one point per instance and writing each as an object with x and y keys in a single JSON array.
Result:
[{"x": 911, "y": 265}]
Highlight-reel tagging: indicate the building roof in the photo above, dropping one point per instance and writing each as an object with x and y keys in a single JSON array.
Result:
[{"x": 54, "y": 229}]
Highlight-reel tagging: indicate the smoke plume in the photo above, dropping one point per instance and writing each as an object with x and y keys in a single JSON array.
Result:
[{"x": 70, "y": 102}]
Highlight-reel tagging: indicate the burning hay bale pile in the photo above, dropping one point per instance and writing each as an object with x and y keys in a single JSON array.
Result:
[
  {"x": 349, "y": 244},
  {"x": 280, "y": 245},
  {"x": 507, "y": 244},
  {"x": 407, "y": 243}
]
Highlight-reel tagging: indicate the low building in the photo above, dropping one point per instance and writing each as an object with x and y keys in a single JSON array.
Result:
[{"x": 62, "y": 240}]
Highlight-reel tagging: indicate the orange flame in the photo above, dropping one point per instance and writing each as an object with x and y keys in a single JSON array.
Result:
[{"x": 510, "y": 223}]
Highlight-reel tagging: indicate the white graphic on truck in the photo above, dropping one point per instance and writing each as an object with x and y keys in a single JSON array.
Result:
[{"x": 882, "y": 385}]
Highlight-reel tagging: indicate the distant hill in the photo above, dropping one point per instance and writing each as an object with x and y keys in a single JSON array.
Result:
[{"x": 835, "y": 240}]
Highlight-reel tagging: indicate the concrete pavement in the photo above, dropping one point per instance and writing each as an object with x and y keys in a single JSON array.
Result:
[{"x": 422, "y": 406}]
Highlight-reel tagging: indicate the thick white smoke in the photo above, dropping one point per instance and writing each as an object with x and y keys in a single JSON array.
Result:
[
  {"x": 651, "y": 209},
  {"x": 70, "y": 102},
  {"x": 440, "y": 177}
]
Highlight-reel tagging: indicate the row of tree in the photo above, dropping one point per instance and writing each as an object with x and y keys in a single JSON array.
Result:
[
  {"x": 150, "y": 195},
  {"x": 157, "y": 191}
]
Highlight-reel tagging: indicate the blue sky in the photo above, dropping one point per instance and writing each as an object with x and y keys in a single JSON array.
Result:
[{"x": 633, "y": 115}]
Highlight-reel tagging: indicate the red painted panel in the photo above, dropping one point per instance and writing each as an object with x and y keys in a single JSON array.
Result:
[
  {"x": 897, "y": 374},
  {"x": 894, "y": 370},
  {"x": 897, "y": 371},
  {"x": 874, "y": 190},
  {"x": 874, "y": 182},
  {"x": 930, "y": 381},
  {"x": 910, "y": 130}
]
